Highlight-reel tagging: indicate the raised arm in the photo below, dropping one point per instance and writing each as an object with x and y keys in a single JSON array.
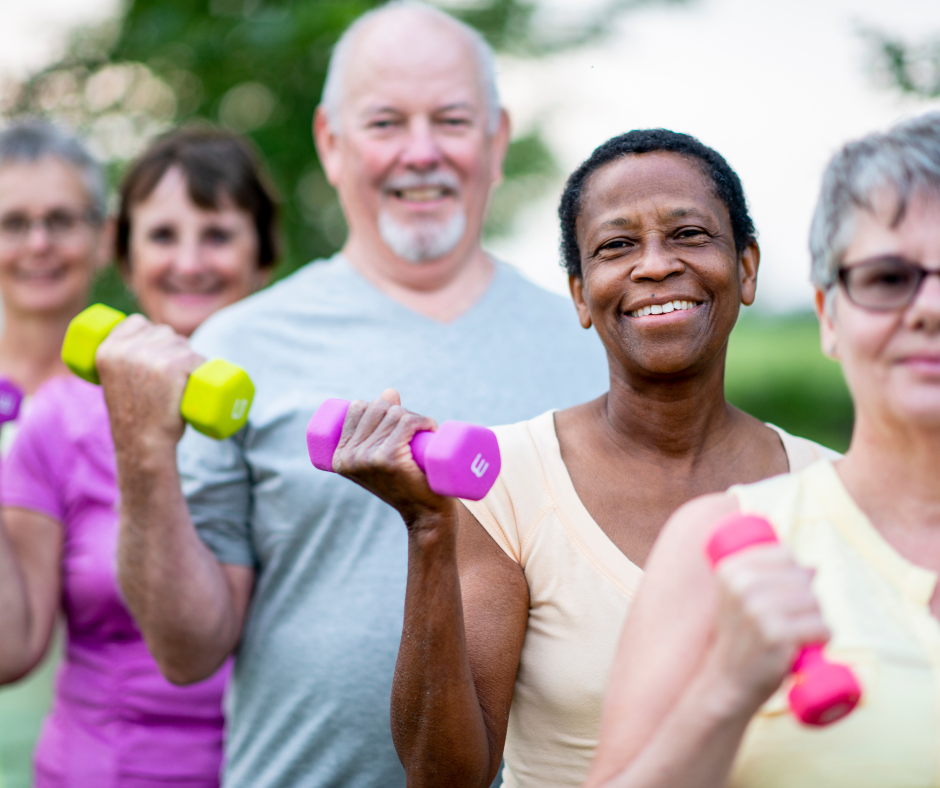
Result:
[
  {"x": 699, "y": 654},
  {"x": 466, "y": 608},
  {"x": 30, "y": 557},
  {"x": 189, "y": 607}
]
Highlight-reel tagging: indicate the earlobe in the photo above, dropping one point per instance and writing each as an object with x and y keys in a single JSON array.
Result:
[
  {"x": 576, "y": 286},
  {"x": 325, "y": 141}
]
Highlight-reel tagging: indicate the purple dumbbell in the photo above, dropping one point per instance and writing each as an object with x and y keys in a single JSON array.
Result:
[
  {"x": 11, "y": 396},
  {"x": 460, "y": 460}
]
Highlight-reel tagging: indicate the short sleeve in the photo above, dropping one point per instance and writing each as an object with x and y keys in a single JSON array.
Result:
[
  {"x": 802, "y": 452},
  {"x": 217, "y": 485},
  {"x": 517, "y": 498},
  {"x": 30, "y": 475}
]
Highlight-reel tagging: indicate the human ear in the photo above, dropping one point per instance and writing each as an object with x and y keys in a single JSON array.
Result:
[
  {"x": 827, "y": 330},
  {"x": 748, "y": 264},
  {"x": 499, "y": 146},
  {"x": 326, "y": 141},
  {"x": 105, "y": 248},
  {"x": 576, "y": 286}
]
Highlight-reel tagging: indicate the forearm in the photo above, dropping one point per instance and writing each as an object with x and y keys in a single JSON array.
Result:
[
  {"x": 438, "y": 724},
  {"x": 694, "y": 747},
  {"x": 173, "y": 584}
]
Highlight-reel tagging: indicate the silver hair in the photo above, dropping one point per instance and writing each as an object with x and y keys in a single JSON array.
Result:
[
  {"x": 904, "y": 159},
  {"x": 32, "y": 139},
  {"x": 332, "y": 99}
]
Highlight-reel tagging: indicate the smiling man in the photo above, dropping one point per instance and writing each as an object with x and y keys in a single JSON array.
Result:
[{"x": 300, "y": 573}]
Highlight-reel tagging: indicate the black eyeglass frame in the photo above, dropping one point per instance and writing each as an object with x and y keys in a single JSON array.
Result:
[{"x": 919, "y": 272}]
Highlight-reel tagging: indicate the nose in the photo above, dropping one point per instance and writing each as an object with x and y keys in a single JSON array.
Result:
[
  {"x": 421, "y": 151},
  {"x": 656, "y": 262},
  {"x": 924, "y": 313},
  {"x": 37, "y": 239},
  {"x": 188, "y": 257}
]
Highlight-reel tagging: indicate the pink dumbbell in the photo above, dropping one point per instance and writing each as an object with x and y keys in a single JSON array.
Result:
[
  {"x": 460, "y": 460},
  {"x": 11, "y": 397},
  {"x": 822, "y": 691}
]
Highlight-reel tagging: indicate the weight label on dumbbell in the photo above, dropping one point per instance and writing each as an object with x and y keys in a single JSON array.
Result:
[
  {"x": 239, "y": 409},
  {"x": 479, "y": 466}
]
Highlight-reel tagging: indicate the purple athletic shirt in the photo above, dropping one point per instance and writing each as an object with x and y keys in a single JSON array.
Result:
[{"x": 115, "y": 721}]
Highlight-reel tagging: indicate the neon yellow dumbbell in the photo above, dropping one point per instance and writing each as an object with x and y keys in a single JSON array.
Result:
[{"x": 217, "y": 396}]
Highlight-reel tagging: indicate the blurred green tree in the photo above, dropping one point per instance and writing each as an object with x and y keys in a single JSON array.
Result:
[
  {"x": 911, "y": 68},
  {"x": 257, "y": 67}
]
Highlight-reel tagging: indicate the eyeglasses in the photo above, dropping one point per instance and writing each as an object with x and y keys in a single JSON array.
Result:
[
  {"x": 883, "y": 284},
  {"x": 59, "y": 225}
]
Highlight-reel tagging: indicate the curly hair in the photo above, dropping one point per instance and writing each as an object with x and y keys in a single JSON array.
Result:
[{"x": 725, "y": 181}]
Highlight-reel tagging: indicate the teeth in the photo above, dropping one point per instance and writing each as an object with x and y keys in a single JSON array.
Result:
[
  {"x": 663, "y": 309},
  {"x": 424, "y": 194}
]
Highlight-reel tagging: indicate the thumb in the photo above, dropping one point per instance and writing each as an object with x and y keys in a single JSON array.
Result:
[{"x": 391, "y": 396}]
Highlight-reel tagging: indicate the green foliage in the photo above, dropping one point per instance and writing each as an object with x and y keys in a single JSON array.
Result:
[
  {"x": 777, "y": 372},
  {"x": 913, "y": 69}
]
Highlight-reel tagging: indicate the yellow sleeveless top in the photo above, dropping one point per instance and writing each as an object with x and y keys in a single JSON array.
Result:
[
  {"x": 877, "y": 605},
  {"x": 580, "y": 588}
]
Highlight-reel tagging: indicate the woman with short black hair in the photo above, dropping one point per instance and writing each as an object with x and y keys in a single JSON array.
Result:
[{"x": 514, "y": 602}]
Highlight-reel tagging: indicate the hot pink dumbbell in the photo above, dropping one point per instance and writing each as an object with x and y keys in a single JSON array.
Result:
[
  {"x": 822, "y": 691},
  {"x": 460, "y": 460},
  {"x": 11, "y": 397}
]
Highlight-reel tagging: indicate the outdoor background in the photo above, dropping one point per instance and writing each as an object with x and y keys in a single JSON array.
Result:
[{"x": 775, "y": 87}]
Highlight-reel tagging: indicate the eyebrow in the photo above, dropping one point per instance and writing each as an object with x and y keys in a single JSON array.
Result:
[
  {"x": 623, "y": 223},
  {"x": 460, "y": 105}
]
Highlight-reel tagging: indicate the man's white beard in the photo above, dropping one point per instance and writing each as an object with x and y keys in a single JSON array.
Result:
[{"x": 424, "y": 241}]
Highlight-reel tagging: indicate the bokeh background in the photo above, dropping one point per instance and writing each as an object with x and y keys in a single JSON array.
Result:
[{"x": 775, "y": 87}]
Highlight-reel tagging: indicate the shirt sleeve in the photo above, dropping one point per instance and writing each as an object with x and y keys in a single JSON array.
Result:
[
  {"x": 30, "y": 473},
  {"x": 217, "y": 485}
]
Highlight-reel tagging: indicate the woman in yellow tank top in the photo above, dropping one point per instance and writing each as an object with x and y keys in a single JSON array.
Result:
[
  {"x": 514, "y": 603},
  {"x": 697, "y": 695}
]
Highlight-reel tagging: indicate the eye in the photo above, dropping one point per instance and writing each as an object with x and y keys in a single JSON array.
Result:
[
  {"x": 60, "y": 222},
  {"x": 455, "y": 123},
  {"x": 615, "y": 245},
  {"x": 162, "y": 234},
  {"x": 691, "y": 234},
  {"x": 14, "y": 224},
  {"x": 383, "y": 123},
  {"x": 217, "y": 236}
]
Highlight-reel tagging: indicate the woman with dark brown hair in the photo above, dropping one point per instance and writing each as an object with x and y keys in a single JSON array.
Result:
[{"x": 196, "y": 231}]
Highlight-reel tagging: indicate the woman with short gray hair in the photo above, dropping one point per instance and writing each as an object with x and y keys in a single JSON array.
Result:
[
  {"x": 53, "y": 240},
  {"x": 698, "y": 693}
]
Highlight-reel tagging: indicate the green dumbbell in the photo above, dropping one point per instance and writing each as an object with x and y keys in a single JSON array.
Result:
[{"x": 217, "y": 396}]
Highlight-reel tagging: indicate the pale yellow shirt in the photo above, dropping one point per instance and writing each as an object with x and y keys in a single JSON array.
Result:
[
  {"x": 580, "y": 588},
  {"x": 877, "y": 605}
]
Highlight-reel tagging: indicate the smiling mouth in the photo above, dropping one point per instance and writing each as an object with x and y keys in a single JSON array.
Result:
[{"x": 663, "y": 309}]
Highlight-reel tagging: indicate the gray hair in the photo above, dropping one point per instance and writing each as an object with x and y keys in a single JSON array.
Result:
[
  {"x": 904, "y": 159},
  {"x": 332, "y": 99},
  {"x": 32, "y": 139}
]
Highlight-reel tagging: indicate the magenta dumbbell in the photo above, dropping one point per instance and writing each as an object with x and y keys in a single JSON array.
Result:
[
  {"x": 11, "y": 397},
  {"x": 822, "y": 691},
  {"x": 460, "y": 460}
]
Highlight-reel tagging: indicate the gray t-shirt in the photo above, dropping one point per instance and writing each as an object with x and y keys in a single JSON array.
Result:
[{"x": 309, "y": 701}]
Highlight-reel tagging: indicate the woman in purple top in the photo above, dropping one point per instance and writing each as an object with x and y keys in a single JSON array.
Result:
[{"x": 195, "y": 232}]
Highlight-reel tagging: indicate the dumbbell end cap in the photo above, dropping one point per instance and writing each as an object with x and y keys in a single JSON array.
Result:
[
  {"x": 462, "y": 461},
  {"x": 11, "y": 397},
  {"x": 736, "y": 532},
  {"x": 324, "y": 431},
  {"x": 825, "y": 694},
  {"x": 217, "y": 398},
  {"x": 86, "y": 331}
]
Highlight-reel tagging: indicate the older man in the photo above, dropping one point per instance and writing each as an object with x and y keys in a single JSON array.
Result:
[{"x": 302, "y": 573}]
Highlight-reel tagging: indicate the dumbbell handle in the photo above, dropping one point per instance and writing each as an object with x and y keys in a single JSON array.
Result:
[
  {"x": 459, "y": 460},
  {"x": 327, "y": 427},
  {"x": 823, "y": 691}
]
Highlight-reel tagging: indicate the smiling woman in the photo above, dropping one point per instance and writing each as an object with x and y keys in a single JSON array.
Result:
[{"x": 514, "y": 603}]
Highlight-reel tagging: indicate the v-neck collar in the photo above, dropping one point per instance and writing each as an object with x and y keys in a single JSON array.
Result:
[{"x": 600, "y": 550}]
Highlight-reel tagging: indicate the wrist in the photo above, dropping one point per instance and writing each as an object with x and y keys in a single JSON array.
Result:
[
  {"x": 723, "y": 697},
  {"x": 432, "y": 528}
]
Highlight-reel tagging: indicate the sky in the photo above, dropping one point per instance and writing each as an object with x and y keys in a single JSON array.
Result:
[{"x": 775, "y": 87}]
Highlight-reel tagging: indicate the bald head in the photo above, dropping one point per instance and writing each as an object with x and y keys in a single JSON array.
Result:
[{"x": 407, "y": 38}]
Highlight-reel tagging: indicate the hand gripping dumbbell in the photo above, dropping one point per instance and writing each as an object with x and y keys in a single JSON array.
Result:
[
  {"x": 822, "y": 691},
  {"x": 217, "y": 396},
  {"x": 460, "y": 460},
  {"x": 11, "y": 397}
]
